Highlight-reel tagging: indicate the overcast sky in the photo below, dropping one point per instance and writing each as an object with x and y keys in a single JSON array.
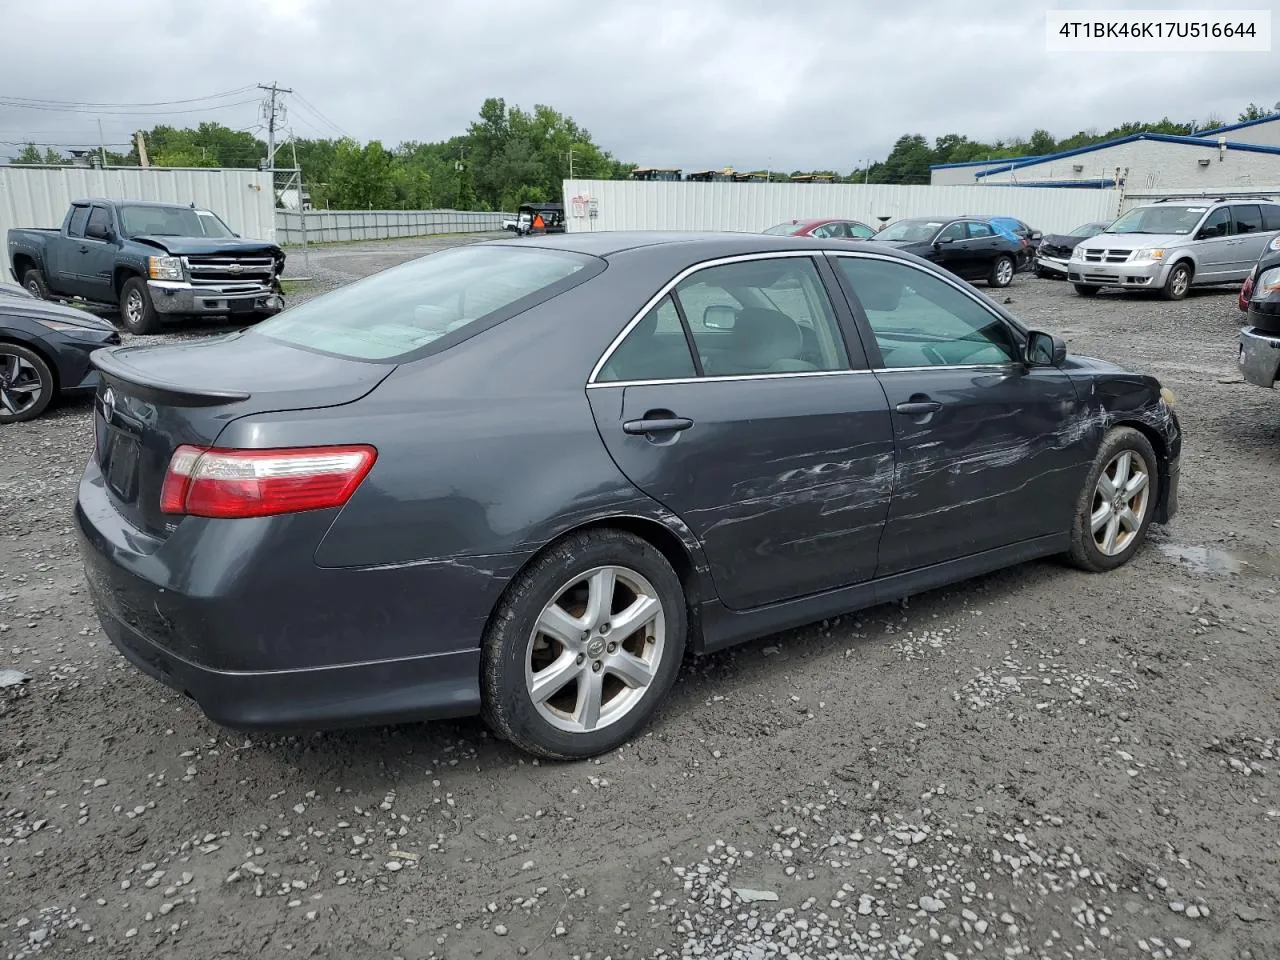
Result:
[{"x": 703, "y": 83}]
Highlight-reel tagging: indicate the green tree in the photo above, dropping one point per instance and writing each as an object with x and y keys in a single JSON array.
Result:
[
  {"x": 361, "y": 176},
  {"x": 908, "y": 162},
  {"x": 1255, "y": 112},
  {"x": 28, "y": 154}
]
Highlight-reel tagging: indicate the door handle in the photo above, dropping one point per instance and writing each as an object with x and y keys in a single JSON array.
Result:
[
  {"x": 656, "y": 425},
  {"x": 918, "y": 408},
  {"x": 84, "y": 249}
]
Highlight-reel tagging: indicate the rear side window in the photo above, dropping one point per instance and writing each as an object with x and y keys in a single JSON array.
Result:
[
  {"x": 79, "y": 217},
  {"x": 980, "y": 230},
  {"x": 655, "y": 349},
  {"x": 1271, "y": 216},
  {"x": 400, "y": 311},
  {"x": 1248, "y": 219}
]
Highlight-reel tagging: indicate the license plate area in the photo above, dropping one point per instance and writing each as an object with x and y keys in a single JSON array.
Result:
[
  {"x": 240, "y": 306},
  {"x": 121, "y": 465}
]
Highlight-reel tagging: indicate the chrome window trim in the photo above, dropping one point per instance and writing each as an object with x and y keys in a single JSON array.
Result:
[
  {"x": 729, "y": 378},
  {"x": 671, "y": 285}
]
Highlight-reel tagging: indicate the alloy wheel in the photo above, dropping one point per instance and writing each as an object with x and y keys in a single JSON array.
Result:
[
  {"x": 133, "y": 308},
  {"x": 20, "y": 387},
  {"x": 1181, "y": 280},
  {"x": 1120, "y": 502},
  {"x": 1004, "y": 272},
  {"x": 595, "y": 650}
]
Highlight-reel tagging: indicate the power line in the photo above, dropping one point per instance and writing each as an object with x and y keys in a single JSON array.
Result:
[
  {"x": 307, "y": 104},
  {"x": 154, "y": 103},
  {"x": 7, "y": 102}
]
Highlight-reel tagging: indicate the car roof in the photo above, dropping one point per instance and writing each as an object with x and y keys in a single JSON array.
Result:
[
  {"x": 134, "y": 203},
  {"x": 690, "y": 245}
]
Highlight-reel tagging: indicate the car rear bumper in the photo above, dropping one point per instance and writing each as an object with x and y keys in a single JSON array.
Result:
[
  {"x": 262, "y": 638},
  {"x": 182, "y": 299},
  {"x": 1259, "y": 357}
]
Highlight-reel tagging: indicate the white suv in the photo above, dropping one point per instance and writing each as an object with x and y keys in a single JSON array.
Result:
[{"x": 1175, "y": 244}]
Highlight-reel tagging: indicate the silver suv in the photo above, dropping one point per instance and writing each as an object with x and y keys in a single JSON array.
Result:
[{"x": 1174, "y": 244}]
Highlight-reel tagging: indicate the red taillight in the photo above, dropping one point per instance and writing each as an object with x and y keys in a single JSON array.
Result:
[
  {"x": 209, "y": 482},
  {"x": 1245, "y": 293}
]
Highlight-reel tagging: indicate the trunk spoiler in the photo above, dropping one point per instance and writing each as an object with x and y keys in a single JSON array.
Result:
[{"x": 148, "y": 388}]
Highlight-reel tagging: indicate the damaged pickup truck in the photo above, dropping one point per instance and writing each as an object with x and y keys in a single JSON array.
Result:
[
  {"x": 1259, "y": 353},
  {"x": 152, "y": 260}
]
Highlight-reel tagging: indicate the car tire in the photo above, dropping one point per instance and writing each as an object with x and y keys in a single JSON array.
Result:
[
  {"x": 27, "y": 385},
  {"x": 1086, "y": 290},
  {"x": 1042, "y": 274},
  {"x": 1101, "y": 538},
  {"x": 35, "y": 284},
  {"x": 608, "y": 684},
  {"x": 137, "y": 312},
  {"x": 1002, "y": 271},
  {"x": 1178, "y": 284}
]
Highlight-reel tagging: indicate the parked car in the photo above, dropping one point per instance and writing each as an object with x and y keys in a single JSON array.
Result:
[
  {"x": 967, "y": 246},
  {"x": 1055, "y": 249},
  {"x": 1259, "y": 340},
  {"x": 152, "y": 260},
  {"x": 397, "y": 500},
  {"x": 823, "y": 229},
  {"x": 13, "y": 290},
  {"x": 1175, "y": 244},
  {"x": 44, "y": 352},
  {"x": 1015, "y": 229}
]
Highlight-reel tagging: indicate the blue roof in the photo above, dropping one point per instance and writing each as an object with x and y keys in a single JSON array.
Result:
[
  {"x": 979, "y": 163},
  {"x": 1083, "y": 184},
  {"x": 1160, "y": 137},
  {"x": 1238, "y": 126}
]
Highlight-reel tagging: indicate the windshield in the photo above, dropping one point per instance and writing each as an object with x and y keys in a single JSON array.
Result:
[
  {"x": 140, "y": 221},
  {"x": 1159, "y": 219},
  {"x": 785, "y": 229},
  {"x": 1088, "y": 230},
  {"x": 400, "y": 310},
  {"x": 910, "y": 231}
]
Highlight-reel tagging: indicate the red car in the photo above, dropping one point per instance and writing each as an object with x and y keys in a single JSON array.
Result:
[{"x": 823, "y": 229}]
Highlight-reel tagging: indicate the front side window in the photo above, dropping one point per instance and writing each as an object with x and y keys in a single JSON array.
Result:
[
  {"x": 99, "y": 220},
  {"x": 920, "y": 320},
  {"x": 861, "y": 231},
  {"x": 397, "y": 312},
  {"x": 655, "y": 349},
  {"x": 1217, "y": 224},
  {"x": 954, "y": 231},
  {"x": 760, "y": 317}
]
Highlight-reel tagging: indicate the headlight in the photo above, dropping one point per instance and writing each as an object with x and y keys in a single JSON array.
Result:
[
  {"x": 64, "y": 327},
  {"x": 1267, "y": 284},
  {"x": 1149, "y": 253},
  {"x": 1167, "y": 396},
  {"x": 1077, "y": 253},
  {"x": 164, "y": 268}
]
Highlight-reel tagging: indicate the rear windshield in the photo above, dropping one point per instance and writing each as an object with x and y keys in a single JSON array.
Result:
[
  {"x": 785, "y": 229},
  {"x": 399, "y": 311}
]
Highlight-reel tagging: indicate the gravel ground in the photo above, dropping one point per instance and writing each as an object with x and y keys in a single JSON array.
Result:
[{"x": 1039, "y": 763}]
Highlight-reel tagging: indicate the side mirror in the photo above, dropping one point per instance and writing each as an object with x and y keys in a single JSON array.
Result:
[
  {"x": 1045, "y": 350},
  {"x": 96, "y": 232},
  {"x": 941, "y": 240},
  {"x": 719, "y": 317}
]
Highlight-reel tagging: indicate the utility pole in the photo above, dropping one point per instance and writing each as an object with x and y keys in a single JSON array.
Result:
[
  {"x": 143, "y": 161},
  {"x": 270, "y": 111},
  {"x": 571, "y": 163},
  {"x": 102, "y": 144}
]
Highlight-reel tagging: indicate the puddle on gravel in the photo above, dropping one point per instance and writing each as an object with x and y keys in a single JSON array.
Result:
[{"x": 1208, "y": 560}]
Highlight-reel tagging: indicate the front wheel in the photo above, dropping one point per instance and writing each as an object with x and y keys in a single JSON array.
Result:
[
  {"x": 1001, "y": 272},
  {"x": 136, "y": 309},
  {"x": 1177, "y": 284},
  {"x": 583, "y": 646},
  {"x": 1086, "y": 290},
  {"x": 1117, "y": 503}
]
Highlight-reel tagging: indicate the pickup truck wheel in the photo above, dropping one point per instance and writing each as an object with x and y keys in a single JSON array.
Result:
[
  {"x": 26, "y": 384},
  {"x": 33, "y": 280},
  {"x": 136, "y": 310}
]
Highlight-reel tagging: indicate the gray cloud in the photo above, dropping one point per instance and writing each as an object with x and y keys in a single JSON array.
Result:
[{"x": 699, "y": 83}]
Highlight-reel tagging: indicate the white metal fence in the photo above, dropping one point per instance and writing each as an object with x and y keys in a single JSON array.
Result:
[
  {"x": 752, "y": 207},
  {"x": 40, "y": 196},
  {"x": 328, "y": 226}
]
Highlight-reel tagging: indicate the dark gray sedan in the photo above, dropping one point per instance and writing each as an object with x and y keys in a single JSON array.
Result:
[{"x": 522, "y": 478}]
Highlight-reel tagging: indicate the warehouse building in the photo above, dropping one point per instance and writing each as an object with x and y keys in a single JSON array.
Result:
[{"x": 1235, "y": 158}]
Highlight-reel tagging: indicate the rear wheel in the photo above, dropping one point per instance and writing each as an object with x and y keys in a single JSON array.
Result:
[
  {"x": 1002, "y": 271},
  {"x": 136, "y": 310},
  {"x": 584, "y": 646},
  {"x": 1086, "y": 290},
  {"x": 26, "y": 384},
  {"x": 1178, "y": 282},
  {"x": 1117, "y": 503},
  {"x": 35, "y": 284}
]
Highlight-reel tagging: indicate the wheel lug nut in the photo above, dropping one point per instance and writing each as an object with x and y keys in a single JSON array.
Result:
[
  {"x": 613, "y": 648},
  {"x": 581, "y": 658},
  {"x": 595, "y": 665}
]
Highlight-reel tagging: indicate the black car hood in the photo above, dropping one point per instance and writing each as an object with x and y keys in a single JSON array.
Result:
[
  {"x": 43, "y": 310},
  {"x": 204, "y": 246}
]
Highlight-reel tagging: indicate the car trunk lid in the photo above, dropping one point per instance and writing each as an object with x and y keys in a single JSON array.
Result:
[{"x": 155, "y": 398}]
